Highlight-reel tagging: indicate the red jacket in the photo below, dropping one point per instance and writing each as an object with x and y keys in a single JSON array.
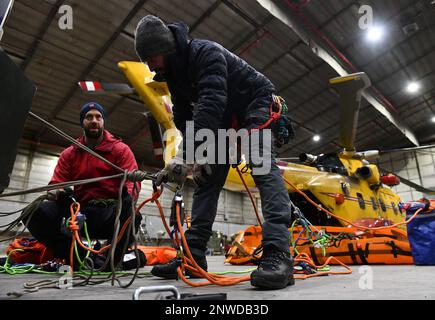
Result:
[{"x": 76, "y": 164}]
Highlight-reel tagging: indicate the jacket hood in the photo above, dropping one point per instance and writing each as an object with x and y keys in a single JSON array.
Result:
[
  {"x": 179, "y": 60},
  {"x": 181, "y": 32}
]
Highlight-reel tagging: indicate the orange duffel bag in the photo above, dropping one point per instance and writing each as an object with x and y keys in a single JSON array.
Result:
[
  {"x": 387, "y": 246},
  {"x": 158, "y": 255},
  {"x": 28, "y": 250},
  {"x": 244, "y": 245},
  {"x": 349, "y": 245}
]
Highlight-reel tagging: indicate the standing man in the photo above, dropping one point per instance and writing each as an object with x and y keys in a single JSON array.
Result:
[
  {"x": 98, "y": 201},
  {"x": 214, "y": 88}
]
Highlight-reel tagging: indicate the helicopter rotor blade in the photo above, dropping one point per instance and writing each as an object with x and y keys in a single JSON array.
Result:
[
  {"x": 406, "y": 149},
  {"x": 96, "y": 87},
  {"x": 288, "y": 159},
  {"x": 350, "y": 89}
]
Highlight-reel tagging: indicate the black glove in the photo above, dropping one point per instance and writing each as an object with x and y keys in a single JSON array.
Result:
[
  {"x": 201, "y": 173},
  {"x": 61, "y": 196},
  {"x": 174, "y": 171}
]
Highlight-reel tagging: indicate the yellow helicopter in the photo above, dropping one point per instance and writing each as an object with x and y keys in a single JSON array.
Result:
[{"x": 343, "y": 183}]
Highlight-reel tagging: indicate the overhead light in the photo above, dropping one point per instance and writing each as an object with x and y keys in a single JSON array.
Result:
[
  {"x": 316, "y": 138},
  {"x": 433, "y": 119},
  {"x": 413, "y": 87},
  {"x": 375, "y": 33}
]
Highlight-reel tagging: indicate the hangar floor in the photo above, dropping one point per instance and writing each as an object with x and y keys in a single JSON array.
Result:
[{"x": 377, "y": 282}]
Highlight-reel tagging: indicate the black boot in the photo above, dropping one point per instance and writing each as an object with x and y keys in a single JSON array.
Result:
[
  {"x": 169, "y": 270},
  {"x": 275, "y": 270}
]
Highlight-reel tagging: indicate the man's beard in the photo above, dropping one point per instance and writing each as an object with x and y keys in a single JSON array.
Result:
[{"x": 93, "y": 134}]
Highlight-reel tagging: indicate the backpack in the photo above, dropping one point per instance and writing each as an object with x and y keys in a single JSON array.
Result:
[
  {"x": 421, "y": 231},
  {"x": 31, "y": 251}
]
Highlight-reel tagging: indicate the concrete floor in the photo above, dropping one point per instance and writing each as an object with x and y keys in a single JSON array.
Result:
[{"x": 365, "y": 283}]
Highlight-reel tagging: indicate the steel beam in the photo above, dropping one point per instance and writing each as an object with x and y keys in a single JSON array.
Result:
[
  {"x": 321, "y": 49},
  {"x": 51, "y": 15},
  {"x": 139, "y": 4}
]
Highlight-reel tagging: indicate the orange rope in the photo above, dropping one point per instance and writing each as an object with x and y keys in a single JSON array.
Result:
[
  {"x": 250, "y": 196},
  {"x": 190, "y": 264},
  {"x": 303, "y": 257},
  {"x": 75, "y": 209},
  {"x": 347, "y": 221},
  {"x": 155, "y": 198},
  {"x": 273, "y": 115}
]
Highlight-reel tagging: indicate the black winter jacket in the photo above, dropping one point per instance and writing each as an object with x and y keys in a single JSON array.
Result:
[{"x": 209, "y": 84}]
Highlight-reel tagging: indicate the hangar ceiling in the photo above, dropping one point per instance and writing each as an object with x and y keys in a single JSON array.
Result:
[{"x": 102, "y": 35}]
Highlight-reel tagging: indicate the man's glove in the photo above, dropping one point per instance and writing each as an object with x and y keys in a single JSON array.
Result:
[
  {"x": 201, "y": 173},
  {"x": 62, "y": 195},
  {"x": 174, "y": 171}
]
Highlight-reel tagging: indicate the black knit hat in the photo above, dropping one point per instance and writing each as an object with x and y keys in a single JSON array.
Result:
[{"x": 152, "y": 37}]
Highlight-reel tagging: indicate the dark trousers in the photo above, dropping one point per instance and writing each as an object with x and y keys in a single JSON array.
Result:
[
  {"x": 45, "y": 226},
  {"x": 274, "y": 196},
  {"x": 274, "y": 201}
]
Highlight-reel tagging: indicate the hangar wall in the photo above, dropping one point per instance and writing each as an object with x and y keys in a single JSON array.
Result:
[{"x": 418, "y": 167}]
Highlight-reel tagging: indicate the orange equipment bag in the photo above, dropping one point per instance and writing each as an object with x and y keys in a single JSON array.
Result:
[
  {"x": 351, "y": 246},
  {"x": 158, "y": 255},
  {"x": 31, "y": 251},
  {"x": 244, "y": 245}
]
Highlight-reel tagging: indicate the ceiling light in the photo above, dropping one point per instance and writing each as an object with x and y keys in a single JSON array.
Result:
[
  {"x": 316, "y": 138},
  {"x": 375, "y": 33},
  {"x": 413, "y": 87},
  {"x": 433, "y": 119}
]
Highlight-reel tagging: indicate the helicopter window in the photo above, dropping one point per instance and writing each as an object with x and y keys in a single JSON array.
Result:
[
  {"x": 396, "y": 211},
  {"x": 330, "y": 163},
  {"x": 382, "y": 203},
  {"x": 361, "y": 201},
  {"x": 374, "y": 204}
]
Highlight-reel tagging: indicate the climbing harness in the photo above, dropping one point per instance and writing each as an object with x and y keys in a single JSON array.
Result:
[{"x": 278, "y": 122}]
